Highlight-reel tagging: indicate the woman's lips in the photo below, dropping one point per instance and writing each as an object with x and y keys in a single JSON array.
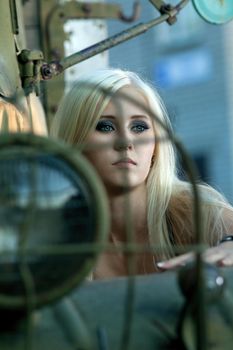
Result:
[{"x": 125, "y": 162}]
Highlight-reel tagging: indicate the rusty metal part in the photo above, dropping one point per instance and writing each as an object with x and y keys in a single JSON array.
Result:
[
  {"x": 53, "y": 16},
  {"x": 30, "y": 62},
  {"x": 58, "y": 14},
  {"x": 169, "y": 9},
  {"x": 75, "y": 9},
  {"x": 104, "y": 45},
  {"x": 49, "y": 70},
  {"x": 135, "y": 15}
]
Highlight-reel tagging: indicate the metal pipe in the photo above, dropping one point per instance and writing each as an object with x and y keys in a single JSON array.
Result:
[{"x": 49, "y": 70}]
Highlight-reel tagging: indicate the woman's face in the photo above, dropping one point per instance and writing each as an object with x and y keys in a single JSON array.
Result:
[{"x": 125, "y": 134}]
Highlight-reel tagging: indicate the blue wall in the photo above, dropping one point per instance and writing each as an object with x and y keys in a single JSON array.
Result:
[{"x": 187, "y": 64}]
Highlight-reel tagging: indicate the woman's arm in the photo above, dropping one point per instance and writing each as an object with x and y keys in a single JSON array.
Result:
[{"x": 221, "y": 255}]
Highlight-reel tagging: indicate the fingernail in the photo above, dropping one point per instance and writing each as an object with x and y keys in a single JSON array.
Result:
[{"x": 160, "y": 264}]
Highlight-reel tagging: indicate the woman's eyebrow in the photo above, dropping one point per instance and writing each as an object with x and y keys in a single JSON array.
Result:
[
  {"x": 140, "y": 116},
  {"x": 135, "y": 116},
  {"x": 107, "y": 116}
]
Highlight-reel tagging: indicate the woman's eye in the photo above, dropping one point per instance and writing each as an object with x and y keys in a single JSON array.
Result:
[
  {"x": 139, "y": 127},
  {"x": 105, "y": 126}
]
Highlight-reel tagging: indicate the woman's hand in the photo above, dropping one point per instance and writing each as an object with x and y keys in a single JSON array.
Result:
[{"x": 221, "y": 255}]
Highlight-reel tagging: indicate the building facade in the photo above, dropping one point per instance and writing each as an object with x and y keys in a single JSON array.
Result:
[{"x": 190, "y": 63}]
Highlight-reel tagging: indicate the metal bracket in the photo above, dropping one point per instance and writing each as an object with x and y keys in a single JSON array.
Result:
[
  {"x": 58, "y": 14},
  {"x": 168, "y": 9},
  {"x": 87, "y": 10},
  {"x": 53, "y": 15},
  {"x": 30, "y": 62},
  {"x": 56, "y": 67}
]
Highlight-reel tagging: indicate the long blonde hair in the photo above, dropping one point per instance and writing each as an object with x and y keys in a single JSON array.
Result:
[
  {"x": 169, "y": 199},
  {"x": 31, "y": 118}
]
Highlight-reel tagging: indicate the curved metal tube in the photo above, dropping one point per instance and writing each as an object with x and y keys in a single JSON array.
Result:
[{"x": 49, "y": 70}]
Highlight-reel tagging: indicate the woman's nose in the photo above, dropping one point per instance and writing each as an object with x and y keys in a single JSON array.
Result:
[{"x": 122, "y": 144}]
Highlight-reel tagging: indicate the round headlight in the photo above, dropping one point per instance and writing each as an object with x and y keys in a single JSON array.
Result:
[{"x": 52, "y": 209}]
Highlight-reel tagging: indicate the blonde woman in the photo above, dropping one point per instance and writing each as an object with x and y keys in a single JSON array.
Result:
[{"x": 120, "y": 122}]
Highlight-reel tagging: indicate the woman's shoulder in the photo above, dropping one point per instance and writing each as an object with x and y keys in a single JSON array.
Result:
[{"x": 183, "y": 190}]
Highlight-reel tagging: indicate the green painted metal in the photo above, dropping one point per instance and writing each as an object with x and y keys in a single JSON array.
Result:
[
  {"x": 12, "y": 43},
  {"x": 94, "y": 316},
  {"x": 159, "y": 318},
  {"x": 57, "y": 67},
  {"x": 30, "y": 148},
  {"x": 53, "y": 15},
  {"x": 10, "y": 82}
]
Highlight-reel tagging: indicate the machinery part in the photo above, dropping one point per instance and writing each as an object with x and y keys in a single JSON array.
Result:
[
  {"x": 157, "y": 313},
  {"x": 204, "y": 321},
  {"x": 57, "y": 67},
  {"x": 214, "y": 11},
  {"x": 172, "y": 11},
  {"x": 213, "y": 281},
  {"x": 30, "y": 62},
  {"x": 52, "y": 207},
  {"x": 53, "y": 16}
]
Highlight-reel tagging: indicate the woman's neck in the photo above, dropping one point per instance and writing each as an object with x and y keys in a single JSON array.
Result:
[
  {"x": 129, "y": 212},
  {"x": 128, "y": 209}
]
